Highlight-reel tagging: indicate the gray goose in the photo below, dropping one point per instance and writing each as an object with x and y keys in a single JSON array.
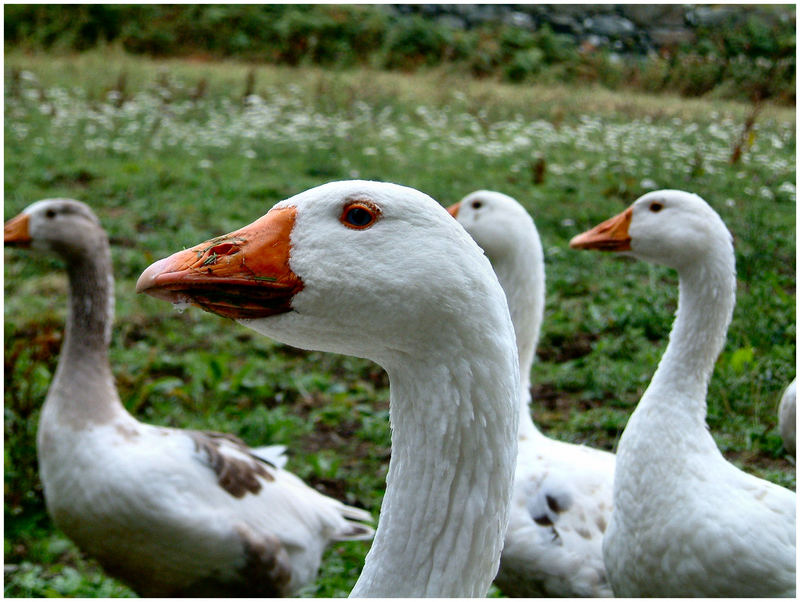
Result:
[{"x": 171, "y": 512}]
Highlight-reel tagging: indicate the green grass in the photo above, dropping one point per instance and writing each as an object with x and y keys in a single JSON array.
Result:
[{"x": 167, "y": 162}]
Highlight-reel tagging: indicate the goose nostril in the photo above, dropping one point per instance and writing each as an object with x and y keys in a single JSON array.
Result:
[{"x": 224, "y": 249}]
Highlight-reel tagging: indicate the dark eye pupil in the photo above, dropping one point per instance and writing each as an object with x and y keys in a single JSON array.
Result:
[
  {"x": 656, "y": 207},
  {"x": 50, "y": 213},
  {"x": 477, "y": 204},
  {"x": 358, "y": 217}
]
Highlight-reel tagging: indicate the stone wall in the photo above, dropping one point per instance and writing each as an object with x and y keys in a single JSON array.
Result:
[{"x": 624, "y": 28}]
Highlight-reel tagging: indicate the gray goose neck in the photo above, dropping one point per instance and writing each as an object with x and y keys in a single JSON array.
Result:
[{"x": 83, "y": 389}]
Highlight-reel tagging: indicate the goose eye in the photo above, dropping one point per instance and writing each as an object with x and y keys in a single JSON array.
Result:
[
  {"x": 656, "y": 207},
  {"x": 50, "y": 213},
  {"x": 359, "y": 216},
  {"x": 477, "y": 204}
]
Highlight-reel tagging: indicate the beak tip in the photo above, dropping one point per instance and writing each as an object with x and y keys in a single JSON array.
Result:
[
  {"x": 610, "y": 235},
  {"x": 15, "y": 231},
  {"x": 576, "y": 242},
  {"x": 453, "y": 209},
  {"x": 148, "y": 278}
]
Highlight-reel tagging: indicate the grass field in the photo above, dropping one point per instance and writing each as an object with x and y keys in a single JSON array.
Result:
[{"x": 172, "y": 153}]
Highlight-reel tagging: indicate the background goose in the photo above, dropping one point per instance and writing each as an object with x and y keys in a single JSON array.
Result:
[
  {"x": 562, "y": 492},
  {"x": 686, "y": 522},
  {"x": 172, "y": 512},
  {"x": 381, "y": 271},
  {"x": 787, "y": 417}
]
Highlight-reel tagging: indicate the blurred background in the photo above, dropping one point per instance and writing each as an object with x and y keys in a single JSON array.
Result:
[
  {"x": 732, "y": 51},
  {"x": 177, "y": 123}
]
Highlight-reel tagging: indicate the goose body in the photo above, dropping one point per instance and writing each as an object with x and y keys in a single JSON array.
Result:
[
  {"x": 787, "y": 417},
  {"x": 171, "y": 512},
  {"x": 381, "y": 271},
  {"x": 686, "y": 522},
  {"x": 562, "y": 492}
]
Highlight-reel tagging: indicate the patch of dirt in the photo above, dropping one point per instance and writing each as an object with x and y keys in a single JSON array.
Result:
[
  {"x": 546, "y": 397},
  {"x": 326, "y": 436},
  {"x": 335, "y": 488},
  {"x": 759, "y": 461},
  {"x": 558, "y": 349}
]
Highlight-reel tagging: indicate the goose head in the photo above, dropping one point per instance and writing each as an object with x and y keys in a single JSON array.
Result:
[
  {"x": 668, "y": 227},
  {"x": 506, "y": 232},
  {"x": 497, "y": 222},
  {"x": 64, "y": 227},
  {"x": 355, "y": 267}
]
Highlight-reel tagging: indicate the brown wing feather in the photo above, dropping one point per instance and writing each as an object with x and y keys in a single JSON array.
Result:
[{"x": 236, "y": 475}]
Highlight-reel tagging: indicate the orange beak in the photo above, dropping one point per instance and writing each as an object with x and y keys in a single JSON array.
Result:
[
  {"x": 453, "y": 209},
  {"x": 611, "y": 235},
  {"x": 15, "y": 231},
  {"x": 244, "y": 274}
]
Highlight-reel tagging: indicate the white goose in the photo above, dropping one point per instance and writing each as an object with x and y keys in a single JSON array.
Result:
[
  {"x": 171, "y": 512},
  {"x": 381, "y": 271},
  {"x": 562, "y": 492},
  {"x": 686, "y": 522}
]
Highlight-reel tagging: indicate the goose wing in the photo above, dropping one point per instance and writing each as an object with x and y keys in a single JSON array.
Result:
[{"x": 562, "y": 504}]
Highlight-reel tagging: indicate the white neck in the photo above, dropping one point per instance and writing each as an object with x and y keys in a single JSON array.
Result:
[
  {"x": 448, "y": 488},
  {"x": 521, "y": 274},
  {"x": 676, "y": 397},
  {"x": 83, "y": 389}
]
